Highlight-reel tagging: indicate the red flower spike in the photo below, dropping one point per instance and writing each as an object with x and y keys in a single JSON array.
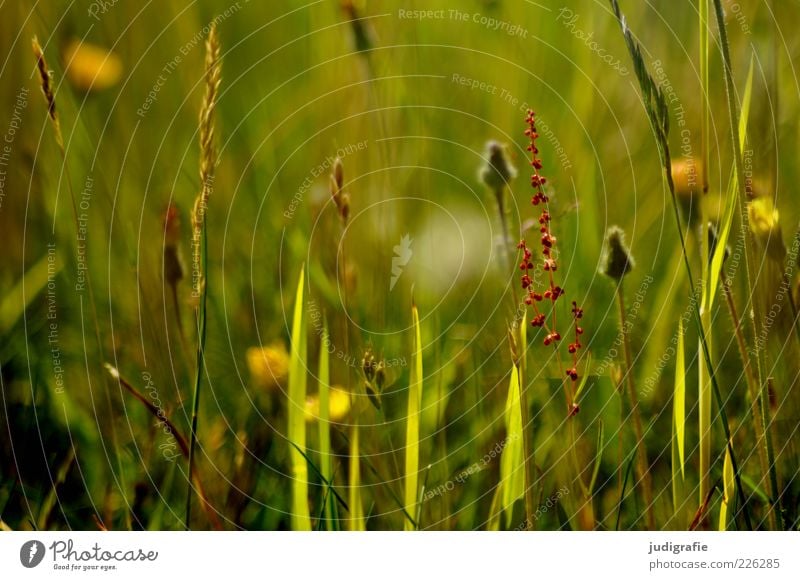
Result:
[{"x": 549, "y": 264}]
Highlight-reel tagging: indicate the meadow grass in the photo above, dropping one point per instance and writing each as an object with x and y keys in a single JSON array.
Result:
[{"x": 367, "y": 351}]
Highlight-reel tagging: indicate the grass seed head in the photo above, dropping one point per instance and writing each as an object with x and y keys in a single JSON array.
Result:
[
  {"x": 617, "y": 260},
  {"x": 497, "y": 171},
  {"x": 208, "y": 152},
  {"x": 340, "y": 197},
  {"x": 46, "y": 82}
]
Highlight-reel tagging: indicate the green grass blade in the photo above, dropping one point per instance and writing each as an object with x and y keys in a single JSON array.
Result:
[
  {"x": 679, "y": 403},
  {"x": 356, "y": 520},
  {"x": 412, "y": 421},
  {"x": 301, "y": 518},
  {"x": 677, "y": 479},
  {"x": 512, "y": 468},
  {"x": 326, "y": 460},
  {"x": 731, "y": 199},
  {"x": 728, "y": 485}
]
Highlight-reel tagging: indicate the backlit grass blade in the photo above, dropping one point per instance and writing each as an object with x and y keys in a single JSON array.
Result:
[
  {"x": 356, "y": 520},
  {"x": 728, "y": 484},
  {"x": 495, "y": 509},
  {"x": 301, "y": 519},
  {"x": 412, "y": 421},
  {"x": 326, "y": 461},
  {"x": 731, "y": 199},
  {"x": 512, "y": 468},
  {"x": 677, "y": 479},
  {"x": 679, "y": 402}
]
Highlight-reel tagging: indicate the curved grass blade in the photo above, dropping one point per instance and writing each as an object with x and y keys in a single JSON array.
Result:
[
  {"x": 356, "y": 521},
  {"x": 412, "y": 421},
  {"x": 300, "y": 517},
  {"x": 731, "y": 199},
  {"x": 679, "y": 402},
  {"x": 512, "y": 467},
  {"x": 728, "y": 484}
]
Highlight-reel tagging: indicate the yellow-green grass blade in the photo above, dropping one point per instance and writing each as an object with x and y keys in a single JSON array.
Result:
[
  {"x": 326, "y": 461},
  {"x": 679, "y": 402},
  {"x": 677, "y": 478},
  {"x": 412, "y": 421},
  {"x": 493, "y": 524},
  {"x": 512, "y": 469},
  {"x": 356, "y": 519},
  {"x": 731, "y": 199},
  {"x": 728, "y": 485},
  {"x": 300, "y": 517},
  {"x": 704, "y": 411}
]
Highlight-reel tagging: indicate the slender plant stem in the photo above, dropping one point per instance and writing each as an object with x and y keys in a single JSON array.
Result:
[
  {"x": 198, "y": 377},
  {"x": 499, "y": 195},
  {"x": 752, "y": 383},
  {"x": 704, "y": 92},
  {"x": 642, "y": 466}
]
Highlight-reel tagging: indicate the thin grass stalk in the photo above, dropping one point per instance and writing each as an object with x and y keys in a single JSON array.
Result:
[
  {"x": 704, "y": 91},
  {"x": 507, "y": 242},
  {"x": 357, "y": 522},
  {"x": 704, "y": 387},
  {"x": 704, "y": 411},
  {"x": 183, "y": 445},
  {"x": 658, "y": 115},
  {"x": 208, "y": 162},
  {"x": 733, "y": 115},
  {"x": 642, "y": 466},
  {"x": 750, "y": 378},
  {"x": 46, "y": 82}
]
